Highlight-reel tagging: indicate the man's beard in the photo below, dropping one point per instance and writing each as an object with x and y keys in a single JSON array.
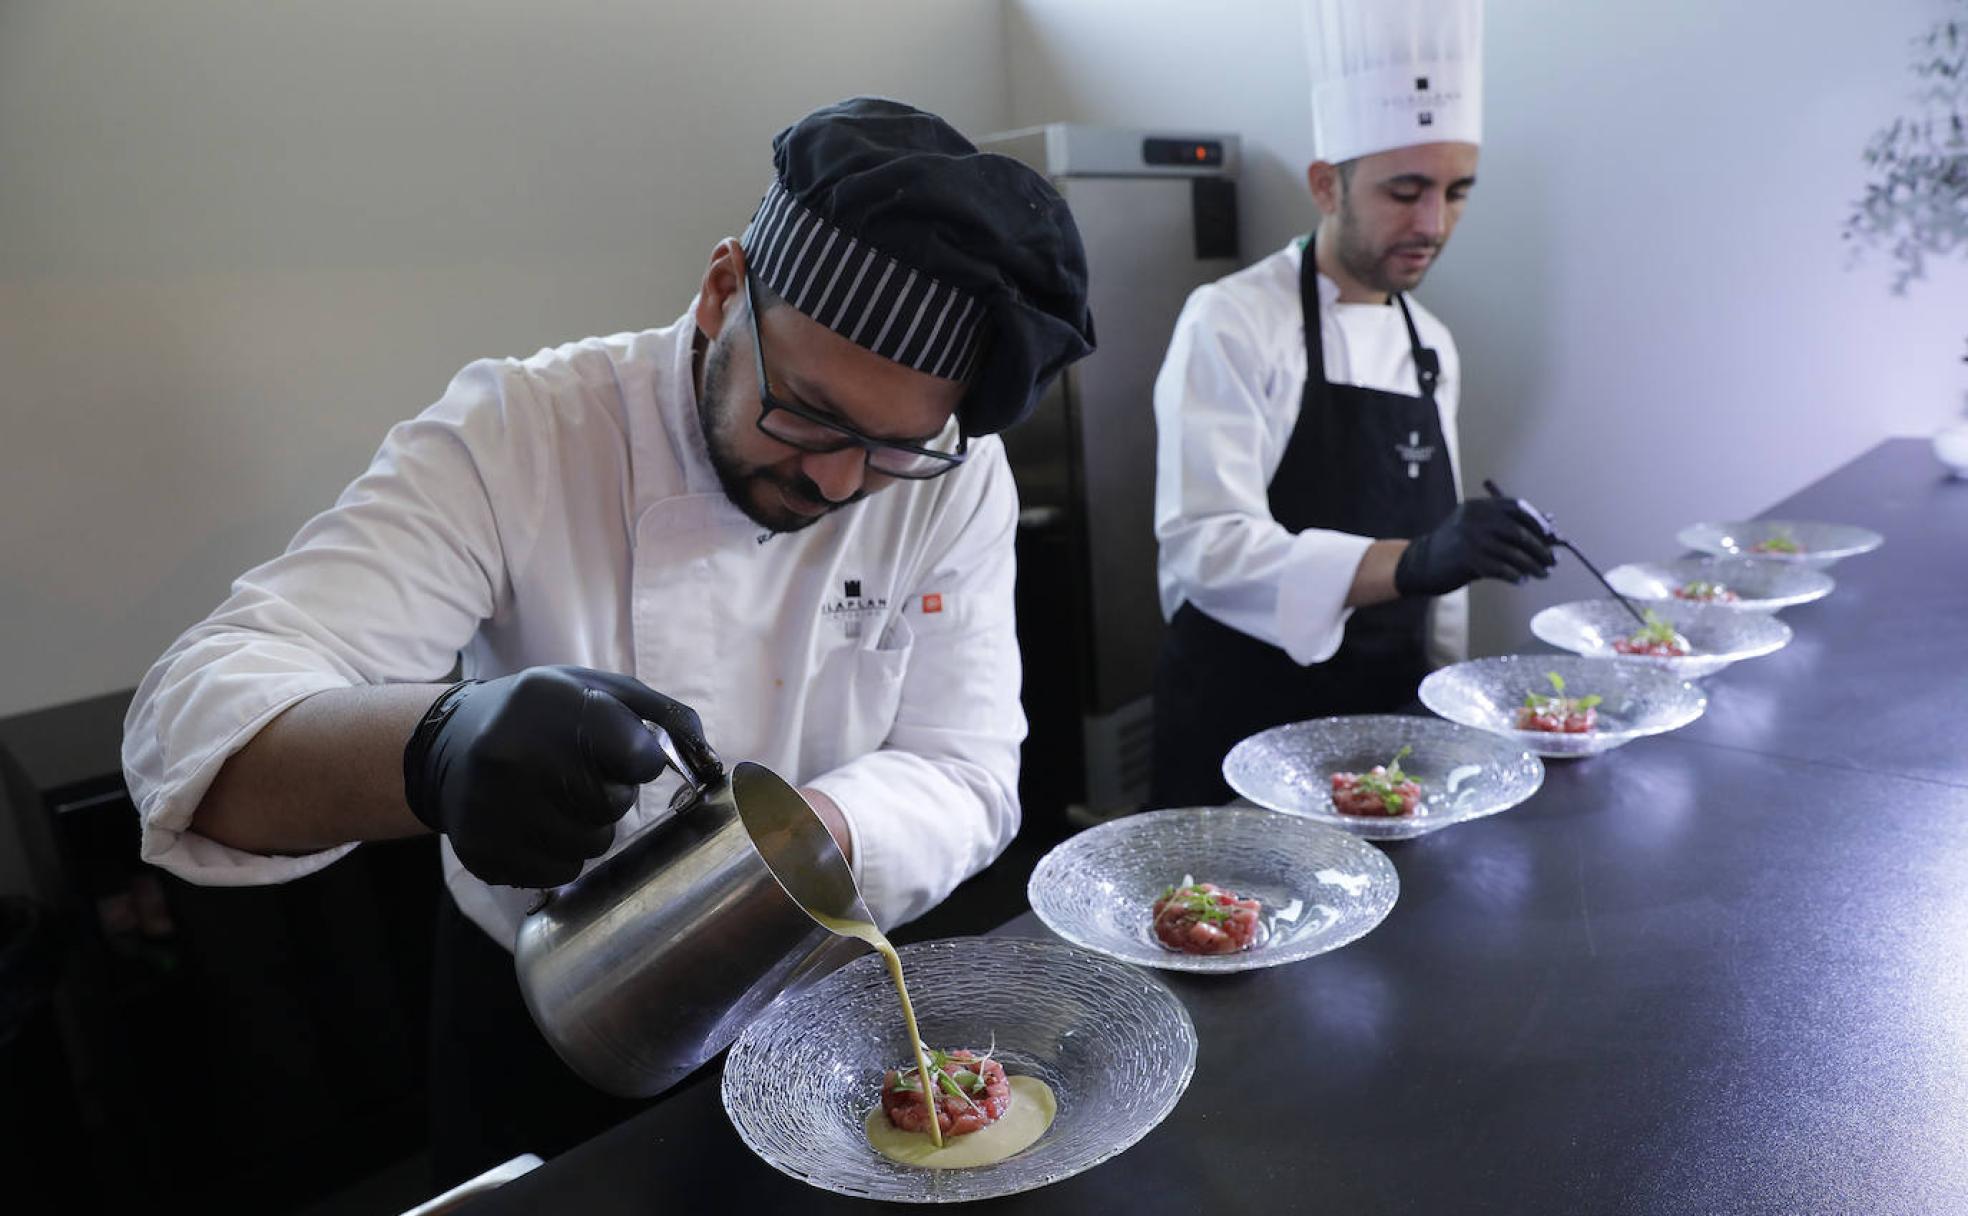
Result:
[
  {"x": 1370, "y": 268},
  {"x": 742, "y": 483}
]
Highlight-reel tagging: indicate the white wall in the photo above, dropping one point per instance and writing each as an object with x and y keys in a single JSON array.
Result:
[
  {"x": 238, "y": 240},
  {"x": 1654, "y": 308},
  {"x": 1232, "y": 65}
]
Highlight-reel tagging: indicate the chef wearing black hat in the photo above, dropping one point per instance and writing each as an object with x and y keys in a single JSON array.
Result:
[{"x": 786, "y": 511}]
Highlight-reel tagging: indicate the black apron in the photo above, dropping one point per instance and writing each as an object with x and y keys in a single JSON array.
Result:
[{"x": 1361, "y": 461}]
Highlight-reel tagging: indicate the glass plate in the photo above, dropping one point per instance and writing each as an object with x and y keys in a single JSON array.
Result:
[
  {"x": 1320, "y": 888},
  {"x": 1822, "y": 543},
  {"x": 1464, "y": 773},
  {"x": 1720, "y": 636},
  {"x": 1639, "y": 700},
  {"x": 1763, "y": 586},
  {"x": 1114, "y": 1044}
]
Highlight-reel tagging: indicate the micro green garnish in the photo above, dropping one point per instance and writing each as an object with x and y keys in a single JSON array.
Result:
[
  {"x": 1656, "y": 630},
  {"x": 949, "y": 1086},
  {"x": 958, "y": 1078},
  {"x": 1556, "y": 699},
  {"x": 1198, "y": 903},
  {"x": 1537, "y": 701},
  {"x": 1384, "y": 785},
  {"x": 1780, "y": 541}
]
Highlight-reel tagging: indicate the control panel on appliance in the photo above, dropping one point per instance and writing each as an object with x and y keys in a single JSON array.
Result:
[{"x": 1159, "y": 150}]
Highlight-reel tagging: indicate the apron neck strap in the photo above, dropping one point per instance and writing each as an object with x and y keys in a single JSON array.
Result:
[{"x": 1428, "y": 365}]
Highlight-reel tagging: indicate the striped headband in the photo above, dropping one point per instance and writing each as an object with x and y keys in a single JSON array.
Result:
[{"x": 861, "y": 293}]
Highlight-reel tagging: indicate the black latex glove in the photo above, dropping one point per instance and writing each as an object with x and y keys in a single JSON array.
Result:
[
  {"x": 1481, "y": 538},
  {"x": 528, "y": 773}
]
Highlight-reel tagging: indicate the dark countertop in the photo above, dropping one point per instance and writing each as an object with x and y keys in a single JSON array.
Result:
[
  {"x": 1716, "y": 972},
  {"x": 1841, "y": 692}
]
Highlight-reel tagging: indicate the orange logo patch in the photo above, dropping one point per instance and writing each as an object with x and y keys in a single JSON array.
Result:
[{"x": 932, "y": 603}]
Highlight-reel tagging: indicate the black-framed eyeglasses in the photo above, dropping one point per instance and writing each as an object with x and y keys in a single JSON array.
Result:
[{"x": 810, "y": 431}]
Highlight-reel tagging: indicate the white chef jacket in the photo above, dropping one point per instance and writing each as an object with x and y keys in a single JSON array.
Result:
[
  {"x": 1226, "y": 401},
  {"x": 563, "y": 509}
]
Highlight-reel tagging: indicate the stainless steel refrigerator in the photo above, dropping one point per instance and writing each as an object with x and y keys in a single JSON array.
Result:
[{"x": 1158, "y": 213}]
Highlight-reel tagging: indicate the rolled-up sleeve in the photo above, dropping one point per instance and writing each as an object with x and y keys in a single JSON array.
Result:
[
  {"x": 384, "y": 587},
  {"x": 1223, "y": 415},
  {"x": 938, "y": 801}
]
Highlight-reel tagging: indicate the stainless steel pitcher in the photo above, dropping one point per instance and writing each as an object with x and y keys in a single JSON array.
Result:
[{"x": 650, "y": 964}]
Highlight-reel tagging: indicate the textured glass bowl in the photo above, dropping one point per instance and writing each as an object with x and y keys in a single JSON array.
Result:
[
  {"x": 1822, "y": 543},
  {"x": 1320, "y": 888},
  {"x": 1114, "y": 1044},
  {"x": 1763, "y": 586},
  {"x": 1464, "y": 773},
  {"x": 1639, "y": 701},
  {"x": 1720, "y": 636}
]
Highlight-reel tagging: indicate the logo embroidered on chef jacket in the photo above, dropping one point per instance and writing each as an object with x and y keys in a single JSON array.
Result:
[
  {"x": 1415, "y": 453},
  {"x": 853, "y": 610},
  {"x": 932, "y": 603}
]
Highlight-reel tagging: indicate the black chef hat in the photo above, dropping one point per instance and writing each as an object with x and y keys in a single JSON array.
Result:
[{"x": 889, "y": 228}]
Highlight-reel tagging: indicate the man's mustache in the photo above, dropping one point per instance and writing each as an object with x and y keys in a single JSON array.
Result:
[{"x": 805, "y": 487}]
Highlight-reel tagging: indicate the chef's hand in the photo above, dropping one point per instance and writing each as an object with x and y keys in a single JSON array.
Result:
[
  {"x": 528, "y": 773},
  {"x": 832, "y": 818},
  {"x": 1482, "y": 538}
]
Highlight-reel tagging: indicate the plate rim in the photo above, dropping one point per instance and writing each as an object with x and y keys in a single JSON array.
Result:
[
  {"x": 1767, "y": 604},
  {"x": 1871, "y": 539},
  {"x": 1224, "y": 964},
  {"x": 1191, "y": 1042},
  {"x": 1413, "y": 828},
  {"x": 1525, "y": 738},
  {"x": 1783, "y": 637}
]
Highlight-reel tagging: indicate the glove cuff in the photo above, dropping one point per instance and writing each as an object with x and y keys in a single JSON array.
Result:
[
  {"x": 1404, "y": 566},
  {"x": 418, "y": 791}
]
